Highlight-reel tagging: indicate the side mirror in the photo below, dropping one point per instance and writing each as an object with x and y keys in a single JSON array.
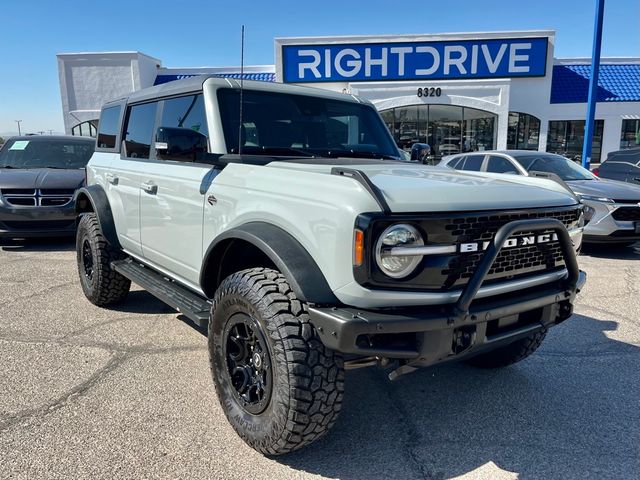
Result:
[{"x": 182, "y": 144}]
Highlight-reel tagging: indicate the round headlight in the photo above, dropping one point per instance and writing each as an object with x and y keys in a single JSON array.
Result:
[{"x": 399, "y": 235}]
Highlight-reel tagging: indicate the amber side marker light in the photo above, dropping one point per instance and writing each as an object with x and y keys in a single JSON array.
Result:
[{"x": 358, "y": 247}]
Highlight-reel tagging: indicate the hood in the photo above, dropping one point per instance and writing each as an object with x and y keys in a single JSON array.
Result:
[
  {"x": 41, "y": 178},
  {"x": 418, "y": 188},
  {"x": 606, "y": 188}
]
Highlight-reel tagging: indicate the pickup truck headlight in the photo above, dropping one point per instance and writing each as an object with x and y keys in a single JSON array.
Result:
[{"x": 398, "y": 235}]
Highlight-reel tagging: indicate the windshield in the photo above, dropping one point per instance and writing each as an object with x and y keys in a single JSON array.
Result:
[
  {"x": 54, "y": 153},
  {"x": 303, "y": 126},
  {"x": 566, "y": 169}
]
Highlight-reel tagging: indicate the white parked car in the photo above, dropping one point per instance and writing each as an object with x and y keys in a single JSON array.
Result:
[{"x": 612, "y": 207}]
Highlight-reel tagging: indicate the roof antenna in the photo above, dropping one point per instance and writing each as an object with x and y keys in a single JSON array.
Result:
[{"x": 241, "y": 89}]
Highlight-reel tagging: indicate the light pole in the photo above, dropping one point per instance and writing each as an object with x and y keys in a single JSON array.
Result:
[
  {"x": 593, "y": 85},
  {"x": 18, "y": 122}
]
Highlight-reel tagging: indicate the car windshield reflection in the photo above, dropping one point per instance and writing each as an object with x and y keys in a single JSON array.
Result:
[
  {"x": 46, "y": 153},
  {"x": 566, "y": 169}
]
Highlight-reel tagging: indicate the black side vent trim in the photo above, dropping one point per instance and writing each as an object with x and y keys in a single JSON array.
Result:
[{"x": 369, "y": 186}]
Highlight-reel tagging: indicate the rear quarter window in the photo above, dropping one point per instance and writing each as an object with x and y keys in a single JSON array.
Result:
[{"x": 108, "y": 128}]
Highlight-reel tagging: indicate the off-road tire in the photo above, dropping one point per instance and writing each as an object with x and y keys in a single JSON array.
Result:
[
  {"x": 307, "y": 378},
  {"x": 104, "y": 286},
  {"x": 509, "y": 354}
]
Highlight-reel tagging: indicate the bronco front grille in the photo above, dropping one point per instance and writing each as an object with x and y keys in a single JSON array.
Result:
[
  {"x": 510, "y": 261},
  {"x": 534, "y": 257},
  {"x": 484, "y": 227},
  {"x": 453, "y": 270},
  {"x": 29, "y": 197},
  {"x": 626, "y": 214}
]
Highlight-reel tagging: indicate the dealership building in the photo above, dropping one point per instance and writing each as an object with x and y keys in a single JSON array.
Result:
[{"x": 457, "y": 92}]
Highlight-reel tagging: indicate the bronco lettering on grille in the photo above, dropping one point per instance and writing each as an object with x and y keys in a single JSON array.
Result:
[{"x": 510, "y": 243}]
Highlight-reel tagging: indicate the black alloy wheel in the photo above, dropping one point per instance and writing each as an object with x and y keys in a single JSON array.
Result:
[
  {"x": 87, "y": 259},
  {"x": 248, "y": 363}
]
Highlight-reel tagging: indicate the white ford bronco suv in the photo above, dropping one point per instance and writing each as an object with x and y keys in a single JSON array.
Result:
[{"x": 282, "y": 220}]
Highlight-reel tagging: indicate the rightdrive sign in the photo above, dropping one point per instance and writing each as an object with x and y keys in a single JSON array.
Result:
[{"x": 488, "y": 58}]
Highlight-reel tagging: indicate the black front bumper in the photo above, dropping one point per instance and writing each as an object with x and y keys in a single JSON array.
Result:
[
  {"x": 26, "y": 222},
  {"x": 428, "y": 335}
]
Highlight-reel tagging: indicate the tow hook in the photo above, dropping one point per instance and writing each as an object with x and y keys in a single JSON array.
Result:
[
  {"x": 463, "y": 339},
  {"x": 565, "y": 311}
]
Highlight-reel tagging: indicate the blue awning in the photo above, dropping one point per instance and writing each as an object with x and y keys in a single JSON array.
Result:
[
  {"x": 262, "y": 77},
  {"x": 616, "y": 83}
]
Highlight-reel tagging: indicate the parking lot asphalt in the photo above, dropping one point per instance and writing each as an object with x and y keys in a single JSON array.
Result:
[{"x": 126, "y": 393}]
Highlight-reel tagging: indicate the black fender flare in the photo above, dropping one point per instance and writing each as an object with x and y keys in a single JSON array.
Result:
[
  {"x": 287, "y": 254},
  {"x": 99, "y": 204}
]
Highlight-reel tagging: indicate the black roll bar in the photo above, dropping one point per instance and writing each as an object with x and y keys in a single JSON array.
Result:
[{"x": 461, "y": 308}]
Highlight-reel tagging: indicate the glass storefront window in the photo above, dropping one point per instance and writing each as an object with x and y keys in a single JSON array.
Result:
[
  {"x": 478, "y": 130},
  {"x": 566, "y": 138},
  {"x": 523, "y": 132},
  {"x": 445, "y": 129},
  {"x": 448, "y": 129},
  {"x": 630, "y": 135},
  {"x": 407, "y": 127}
]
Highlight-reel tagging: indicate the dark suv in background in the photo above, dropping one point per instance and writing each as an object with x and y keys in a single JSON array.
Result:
[
  {"x": 38, "y": 179},
  {"x": 622, "y": 165}
]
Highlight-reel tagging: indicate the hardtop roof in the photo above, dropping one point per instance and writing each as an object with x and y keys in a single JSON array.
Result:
[{"x": 195, "y": 84}]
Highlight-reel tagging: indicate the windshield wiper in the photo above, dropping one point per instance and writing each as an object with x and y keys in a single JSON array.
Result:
[
  {"x": 359, "y": 154},
  {"x": 6, "y": 166}
]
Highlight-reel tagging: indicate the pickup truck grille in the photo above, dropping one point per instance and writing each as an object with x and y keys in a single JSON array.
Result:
[
  {"x": 30, "y": 197},
  {"x": 452, "y": 270}
]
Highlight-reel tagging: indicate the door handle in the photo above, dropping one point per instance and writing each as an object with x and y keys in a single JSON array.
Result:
[
  {"x": 150, "y": 188},
  {"x": 111, "y": 178}
]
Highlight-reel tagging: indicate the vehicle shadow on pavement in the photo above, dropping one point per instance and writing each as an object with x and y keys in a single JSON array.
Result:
[
  {"x": 612, "y": 251},
  {"x": 568, "y": 411},
  {"x": 141, "y": 301},
  {"x": 38, "y": 244}
]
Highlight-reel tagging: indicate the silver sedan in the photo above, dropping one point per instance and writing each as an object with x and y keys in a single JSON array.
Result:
[{"x": 612, "y": 208}]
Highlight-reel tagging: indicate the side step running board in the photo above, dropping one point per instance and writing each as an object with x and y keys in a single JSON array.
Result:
[{"x": 195, "y": 307}]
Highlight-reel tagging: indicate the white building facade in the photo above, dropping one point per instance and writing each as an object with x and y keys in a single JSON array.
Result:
[{"x": 456, "y": 92}]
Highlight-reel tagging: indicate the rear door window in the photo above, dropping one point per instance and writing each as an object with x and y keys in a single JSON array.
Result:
[
  {"x": 139, "y": 130},
  {"x": 473, "y": 163},
  {"x": 497, "y": 164}
]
